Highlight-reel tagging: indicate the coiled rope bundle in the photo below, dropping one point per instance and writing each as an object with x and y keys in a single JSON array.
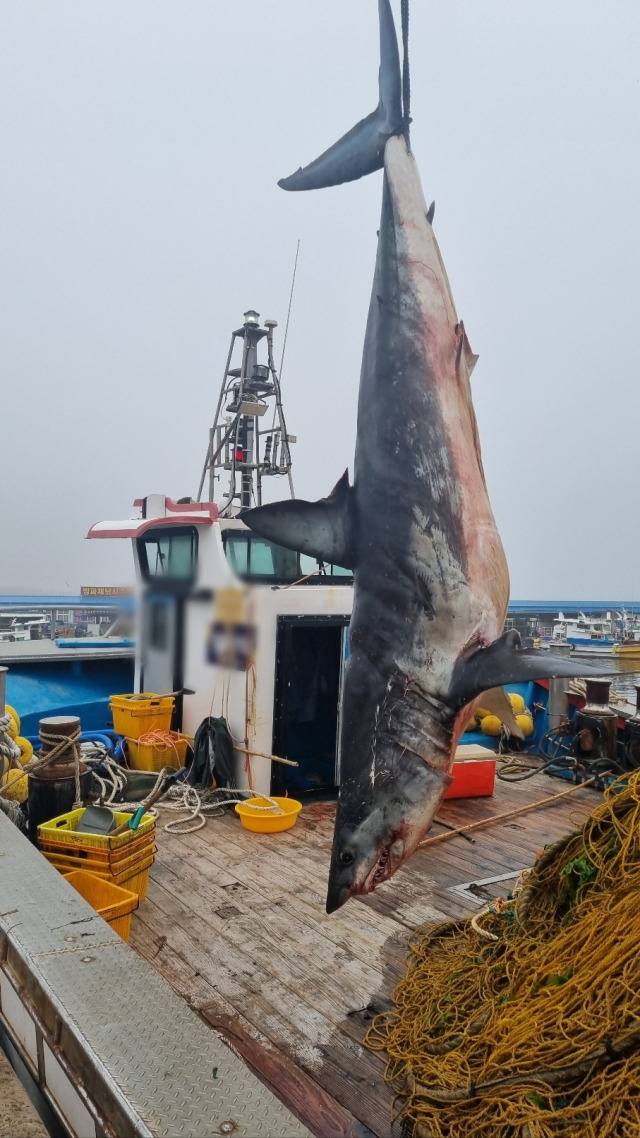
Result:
[{"x": 535, "y": 1033}]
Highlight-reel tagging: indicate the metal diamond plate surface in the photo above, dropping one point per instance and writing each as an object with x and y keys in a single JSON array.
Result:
[{"x": 175, "y": 1074}]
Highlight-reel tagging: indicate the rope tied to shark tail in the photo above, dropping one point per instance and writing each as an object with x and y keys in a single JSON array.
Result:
[{"x": 406, "y": 78}]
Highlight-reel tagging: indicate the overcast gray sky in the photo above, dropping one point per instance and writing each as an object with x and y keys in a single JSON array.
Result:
[{"x": 141, "y": 142}]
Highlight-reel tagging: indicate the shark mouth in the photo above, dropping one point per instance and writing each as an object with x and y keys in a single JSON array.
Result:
[{"x": 389, "y": 858}]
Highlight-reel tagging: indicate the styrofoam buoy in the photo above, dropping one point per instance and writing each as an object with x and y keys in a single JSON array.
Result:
[
  {"x": 491, "y": 725},
  {"x": 525, "y": 723}
]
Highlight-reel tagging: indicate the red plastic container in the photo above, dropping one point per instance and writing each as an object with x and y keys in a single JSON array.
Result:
[{"x": 474, "y": 773}]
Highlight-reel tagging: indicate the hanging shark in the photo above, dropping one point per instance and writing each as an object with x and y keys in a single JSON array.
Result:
[{"x": 431, "y": 584}]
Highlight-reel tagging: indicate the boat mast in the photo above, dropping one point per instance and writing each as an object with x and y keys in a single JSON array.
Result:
[{"x": 236, "y": 442}]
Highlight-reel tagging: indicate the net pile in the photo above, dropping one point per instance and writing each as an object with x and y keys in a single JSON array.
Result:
[{"x": 535, "y": 1033}]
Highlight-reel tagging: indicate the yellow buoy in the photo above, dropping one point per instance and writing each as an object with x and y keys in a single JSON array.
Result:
[
  {"x": 491, "y": 725},
  {"x": 472, "y": 725},
  {"x": 525, "y": 723},
  {"x": 15, "y": 784},
  {"x": 516, "y": 702},
  {"x": 26, "y": 749}
]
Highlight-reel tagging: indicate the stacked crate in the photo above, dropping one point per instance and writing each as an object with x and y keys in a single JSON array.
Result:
[{"x": 122, "y": 860}]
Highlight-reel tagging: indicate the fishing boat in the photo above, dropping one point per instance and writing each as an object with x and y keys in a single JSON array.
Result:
[
  {"x": 628, "y": 648},
  {"x": 584, "y": 634}
]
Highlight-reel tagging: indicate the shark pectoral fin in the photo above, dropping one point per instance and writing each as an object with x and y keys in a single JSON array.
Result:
[
  {"x": 321, "y": 529},
  {"x": 498, "y": 703},
  {"x": 361, "y": 150},
  {"x": 505, "y": 661}
]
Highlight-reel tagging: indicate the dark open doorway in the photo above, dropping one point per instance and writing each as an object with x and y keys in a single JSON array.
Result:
[{"x": 308, "y": 677}]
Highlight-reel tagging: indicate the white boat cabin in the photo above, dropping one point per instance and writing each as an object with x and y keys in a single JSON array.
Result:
[{"x": 244, "y": 629}]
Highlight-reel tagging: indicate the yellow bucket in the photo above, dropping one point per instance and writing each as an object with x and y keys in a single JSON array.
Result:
[{"x": 266, "y": 822}]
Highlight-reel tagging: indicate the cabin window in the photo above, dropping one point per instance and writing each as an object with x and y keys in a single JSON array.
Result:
[
  {"x": 169, "y": 555},
  {"x": 238, "y": 556},
  {"x": 256, "y": 559}
]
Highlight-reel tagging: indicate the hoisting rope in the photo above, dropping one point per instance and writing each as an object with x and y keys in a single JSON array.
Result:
[{"x": 406, "y": 81}]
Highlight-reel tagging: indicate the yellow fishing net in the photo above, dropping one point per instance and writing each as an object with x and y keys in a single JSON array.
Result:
[{"x": 535, "y": 1033}]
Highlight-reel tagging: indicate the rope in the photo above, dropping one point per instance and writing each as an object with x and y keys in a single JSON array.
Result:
[
  {"x": 8, "y": 746},
  {"x": 406, "y": 80},
  {"x": 524, "y": 1021},
  {"x": 199, "y": 803}
]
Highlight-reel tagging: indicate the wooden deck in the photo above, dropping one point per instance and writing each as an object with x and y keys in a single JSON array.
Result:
[{"x": 236, "y": 923}]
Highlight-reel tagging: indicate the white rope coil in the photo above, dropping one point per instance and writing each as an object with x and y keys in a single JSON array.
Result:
[{"x": 199, "y": 804}]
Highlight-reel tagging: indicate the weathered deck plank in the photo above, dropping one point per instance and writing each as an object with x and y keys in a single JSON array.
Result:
[{"x": 236, "y": 923}]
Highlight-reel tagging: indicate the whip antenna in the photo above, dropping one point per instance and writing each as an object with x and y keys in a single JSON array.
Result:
[
  {"x": 406, "y": 82},
  {"x": 286, "y": 327}
]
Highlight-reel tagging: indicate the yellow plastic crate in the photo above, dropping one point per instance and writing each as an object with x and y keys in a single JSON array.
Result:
[
  {"x": 64, "y": 829},
  {"x": 136, "y": 879},
  {"x": 105, "y": 857},
  {"x": 156, "y": 756},
  {"x": 77, "y": 861},
  {"x": 114, "y": 904},
  {"x": 135, "y": 715}
]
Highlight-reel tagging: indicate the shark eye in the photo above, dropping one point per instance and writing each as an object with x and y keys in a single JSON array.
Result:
[{"x": 346, "y": 857}]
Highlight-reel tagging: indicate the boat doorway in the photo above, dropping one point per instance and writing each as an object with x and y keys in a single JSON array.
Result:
[{"x": 310, "y": 654}]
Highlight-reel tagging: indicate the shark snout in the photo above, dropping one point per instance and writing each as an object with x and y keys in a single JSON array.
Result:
[{"x": 374, "y": 835}]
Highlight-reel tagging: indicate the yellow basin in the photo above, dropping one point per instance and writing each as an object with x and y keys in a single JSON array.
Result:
[{"x": 268, "y": 821}]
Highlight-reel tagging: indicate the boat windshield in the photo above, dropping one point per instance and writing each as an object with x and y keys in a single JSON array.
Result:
[
  {"x": 253, "y": 558},
  {"x": 169, "y": 553}
]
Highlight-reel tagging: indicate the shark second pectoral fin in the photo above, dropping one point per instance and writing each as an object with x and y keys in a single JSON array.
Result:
[
  {"x": 320, "y": 529},
  {"x": 506, "y": 661},
  {"x": 361, "y": 150}
]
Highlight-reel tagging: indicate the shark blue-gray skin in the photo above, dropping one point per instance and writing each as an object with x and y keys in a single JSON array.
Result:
[{"x": 431, "y": 585}]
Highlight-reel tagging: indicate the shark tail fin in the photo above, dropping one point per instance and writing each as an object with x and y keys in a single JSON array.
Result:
[{"x": 361, "y": 150}]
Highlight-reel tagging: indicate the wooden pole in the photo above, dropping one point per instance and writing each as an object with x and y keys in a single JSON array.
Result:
[{"x": 502, "y": 817}]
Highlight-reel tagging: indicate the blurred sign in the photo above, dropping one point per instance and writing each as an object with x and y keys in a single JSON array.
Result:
[
  {"x": 106, "y": 591},
  {"x": 231, "y": 636}
]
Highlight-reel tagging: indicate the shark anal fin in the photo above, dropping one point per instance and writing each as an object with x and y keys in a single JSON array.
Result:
[
  {"x": 361, "y": 150},
  {"x": 320, "y": 529},
  {"x": 506, "y": 661}
]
